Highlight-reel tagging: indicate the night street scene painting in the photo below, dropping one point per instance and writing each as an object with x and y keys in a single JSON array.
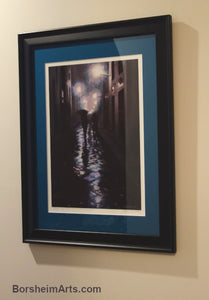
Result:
[{"x": 93, "y": 115}]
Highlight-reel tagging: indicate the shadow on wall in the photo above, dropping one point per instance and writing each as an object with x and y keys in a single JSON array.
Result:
[{"x": 184, "y": 262}]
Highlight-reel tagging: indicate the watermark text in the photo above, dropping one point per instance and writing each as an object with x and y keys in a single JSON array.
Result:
[{"x": 59, "y": 289}]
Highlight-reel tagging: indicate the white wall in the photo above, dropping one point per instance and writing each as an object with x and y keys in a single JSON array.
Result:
[{"x": 121, "y": 274}]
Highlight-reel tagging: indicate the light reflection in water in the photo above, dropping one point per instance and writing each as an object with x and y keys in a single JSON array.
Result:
[{"x": 89, "y": 165}]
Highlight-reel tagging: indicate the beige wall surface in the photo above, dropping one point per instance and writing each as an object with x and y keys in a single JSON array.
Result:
[{"x": 121, "y": 274}]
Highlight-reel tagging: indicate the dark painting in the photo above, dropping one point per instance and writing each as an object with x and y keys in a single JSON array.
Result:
[{"x": 94, "y": 135}]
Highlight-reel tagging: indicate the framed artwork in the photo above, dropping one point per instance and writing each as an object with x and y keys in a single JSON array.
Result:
[{"x": 97, "y": 135}]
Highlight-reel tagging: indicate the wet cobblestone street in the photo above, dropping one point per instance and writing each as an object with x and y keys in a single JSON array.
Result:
[{"x": 98, "y": 173}]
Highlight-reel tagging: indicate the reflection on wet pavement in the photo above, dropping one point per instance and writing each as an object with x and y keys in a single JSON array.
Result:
[{"x": 89, "y": 165}]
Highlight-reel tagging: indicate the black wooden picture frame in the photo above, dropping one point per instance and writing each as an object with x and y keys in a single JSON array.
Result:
[{"x": 97, "y": 149}]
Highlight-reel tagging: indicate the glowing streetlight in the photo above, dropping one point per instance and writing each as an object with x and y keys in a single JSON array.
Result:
[
  {"x": 79, "y": 89},
  {"x": 97, "y": 72},
  {"x": 94, "y": 100}
]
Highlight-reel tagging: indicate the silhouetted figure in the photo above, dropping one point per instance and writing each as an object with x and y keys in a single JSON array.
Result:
[{"x": 84, "y": 121}]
